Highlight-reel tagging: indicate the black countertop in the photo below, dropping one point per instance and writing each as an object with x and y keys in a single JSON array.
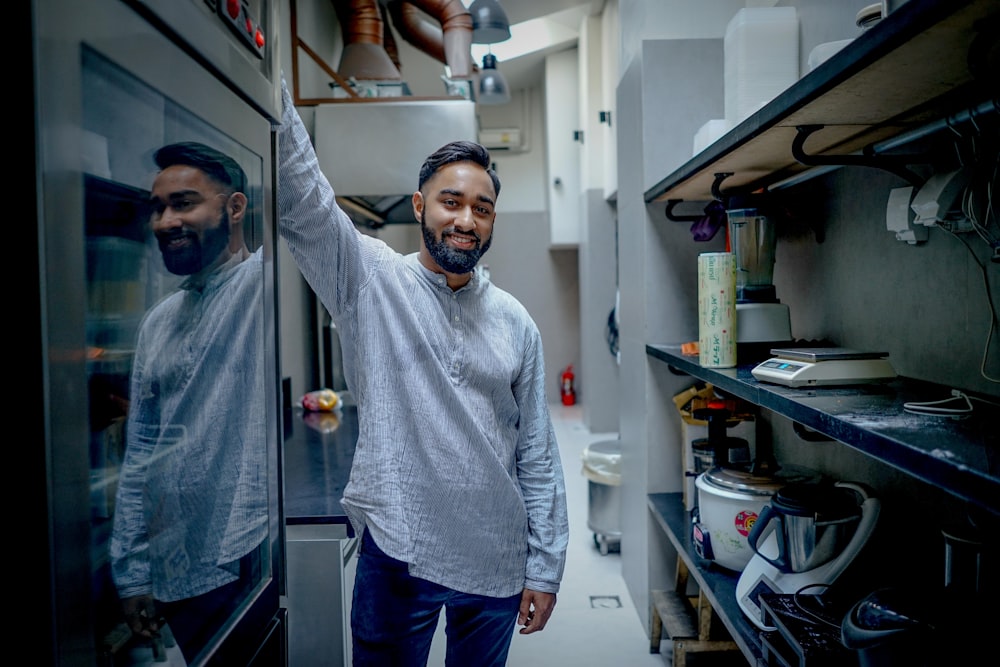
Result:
[{"x": 318, "y": 452}]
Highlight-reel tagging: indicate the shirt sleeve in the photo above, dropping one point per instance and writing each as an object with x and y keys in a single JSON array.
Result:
[
  {"x": 129, "y": 544},
  {"x": 540, "y": 475},
  {"x": 321, "y": 237}
]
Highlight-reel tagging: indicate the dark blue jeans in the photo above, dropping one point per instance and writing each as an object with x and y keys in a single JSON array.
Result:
[{"x": 394, "y": 617}]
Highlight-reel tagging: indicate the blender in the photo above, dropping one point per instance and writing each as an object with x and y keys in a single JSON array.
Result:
[{"x": 760, "y": 316}]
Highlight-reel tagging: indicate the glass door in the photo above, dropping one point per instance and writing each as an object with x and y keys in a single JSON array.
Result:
[{"x": 156, "y": 222}]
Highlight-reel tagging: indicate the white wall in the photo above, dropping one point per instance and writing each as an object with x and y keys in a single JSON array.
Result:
[
  {"x": 674, "y": 19},
  {"x": 562, "y": 120},
  {"x": 522, "y": 189}
]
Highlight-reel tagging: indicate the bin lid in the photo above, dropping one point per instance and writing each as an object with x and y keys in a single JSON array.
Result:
[{"x": 602, "y": 462}]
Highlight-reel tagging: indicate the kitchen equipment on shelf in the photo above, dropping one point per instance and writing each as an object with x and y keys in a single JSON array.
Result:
[
  {"x": 812, "y": 523},
  {"x": 740, "y": 424},
  {"x": 760, "y": 316},
  {"x": 718, "y": 449},
  {"x": 805, "y": 540},
  {"x": 729, "y": 503},
  {"x": 892, "y": 626},
  {"x": 964, "y": 555},
  {"x": 822, "y": 366}
]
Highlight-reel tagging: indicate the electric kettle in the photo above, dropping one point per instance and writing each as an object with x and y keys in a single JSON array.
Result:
[{"x": 812, "y": 523}]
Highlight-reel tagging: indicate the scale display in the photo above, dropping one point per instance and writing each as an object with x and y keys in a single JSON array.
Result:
[{"x": 824, "y": 366}]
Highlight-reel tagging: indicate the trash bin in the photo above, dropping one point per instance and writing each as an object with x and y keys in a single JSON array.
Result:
[{"x": 602, "y": 468}]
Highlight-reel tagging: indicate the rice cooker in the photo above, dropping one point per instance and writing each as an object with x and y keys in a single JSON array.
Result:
[{"x": 729, "y": 502}]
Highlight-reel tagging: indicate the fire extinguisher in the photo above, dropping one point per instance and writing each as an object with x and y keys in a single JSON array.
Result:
[{"x": 566, "y": 387}]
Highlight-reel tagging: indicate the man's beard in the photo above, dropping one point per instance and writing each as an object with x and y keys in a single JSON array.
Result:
[
  {"x": 198, "y": 252},
  {"x": 452, "y": 260}
]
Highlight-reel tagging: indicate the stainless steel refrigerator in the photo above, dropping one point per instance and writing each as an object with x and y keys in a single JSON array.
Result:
[{"x": 153, "y": 404}]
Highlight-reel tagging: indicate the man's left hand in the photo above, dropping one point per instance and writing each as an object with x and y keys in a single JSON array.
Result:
[{"x": 536, "y": 607}]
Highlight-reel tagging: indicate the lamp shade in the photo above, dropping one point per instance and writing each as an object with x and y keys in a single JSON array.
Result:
[
  {"x": 489, "y": 22},
  {"x": 493, "y": 87}
]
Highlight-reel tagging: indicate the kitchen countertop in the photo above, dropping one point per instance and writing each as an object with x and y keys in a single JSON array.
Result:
[{"x": 318, "y": 452}]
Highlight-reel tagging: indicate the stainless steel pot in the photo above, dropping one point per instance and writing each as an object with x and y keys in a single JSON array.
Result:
[{"x": 812, "y": 522}]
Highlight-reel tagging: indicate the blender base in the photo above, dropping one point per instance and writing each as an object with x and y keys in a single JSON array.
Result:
[{"x": 763, "y": 323}]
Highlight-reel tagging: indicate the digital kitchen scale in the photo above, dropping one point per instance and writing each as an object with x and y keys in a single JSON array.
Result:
[{"x": 823, "y": 366}]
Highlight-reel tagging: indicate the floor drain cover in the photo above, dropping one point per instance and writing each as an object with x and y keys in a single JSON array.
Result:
[{"x": 605, "y": 602}]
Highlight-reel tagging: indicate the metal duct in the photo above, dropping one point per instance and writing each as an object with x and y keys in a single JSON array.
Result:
[
  {"x": 372, "y": 152},
  {"x": 449, "y": 42},
  {"x": 393, "y": 137},
  {"x": 365, "y": 56}
]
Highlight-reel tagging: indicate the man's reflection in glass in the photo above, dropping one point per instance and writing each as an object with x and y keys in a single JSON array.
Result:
[{"x": 191, "y": 507}]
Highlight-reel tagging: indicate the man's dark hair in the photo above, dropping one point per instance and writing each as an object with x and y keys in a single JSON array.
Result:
[
  {"x": 458, "y": 151},
  {"x": 218, "y": 166}
]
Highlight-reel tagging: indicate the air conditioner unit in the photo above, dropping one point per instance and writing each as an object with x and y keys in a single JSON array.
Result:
[{"x": 508, "y": 138}]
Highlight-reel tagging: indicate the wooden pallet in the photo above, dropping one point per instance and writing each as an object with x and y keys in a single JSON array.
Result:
[{"x": 687, "y": 621}]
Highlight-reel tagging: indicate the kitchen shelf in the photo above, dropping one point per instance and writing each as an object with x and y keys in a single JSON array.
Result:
[
  {"x": 909, "y": 70},
  {"x": 718, "y": 584},
  {"x": 962, "y": 457}
]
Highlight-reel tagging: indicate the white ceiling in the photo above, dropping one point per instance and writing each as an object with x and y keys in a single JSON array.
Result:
[{"x": 548, "y": 26}]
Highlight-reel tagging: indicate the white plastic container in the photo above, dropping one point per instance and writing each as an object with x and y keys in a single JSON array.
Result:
[
  {"x": 709, "y": 133},
  {"x": 761, "y": 54},
  {"x": 823, "y": 52}
]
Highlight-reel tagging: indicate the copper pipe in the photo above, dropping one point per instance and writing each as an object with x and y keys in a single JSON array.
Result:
[
  {"x": 389, "y": 40},
  {"x": 360, "y": 21},
  {"x": 413, "y": 26},
  {"x": 451, "y": 45},
  {"x": 364, "y": 55}
]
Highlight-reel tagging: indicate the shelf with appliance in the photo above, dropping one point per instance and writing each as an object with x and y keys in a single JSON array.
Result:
[
  {"x": 956, "y": 455},
  {"x": 923, "y": 58},
  {"x": 716, "y": 583}
]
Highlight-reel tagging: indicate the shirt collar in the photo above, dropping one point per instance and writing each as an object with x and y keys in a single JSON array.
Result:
[
  {"x": 200, "y": 280},
  {"x": 440, "y": 280}
]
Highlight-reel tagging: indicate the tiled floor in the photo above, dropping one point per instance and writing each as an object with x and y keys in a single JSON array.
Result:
[{"x": 594, "y": 623}]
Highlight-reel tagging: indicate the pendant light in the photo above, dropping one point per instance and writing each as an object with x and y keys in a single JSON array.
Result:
[
  {"x": 493, "y": 87},
  {"x": 489, "y": 22}
]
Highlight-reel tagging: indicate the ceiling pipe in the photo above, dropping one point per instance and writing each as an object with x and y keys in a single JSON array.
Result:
[
  {"x": 364, "y": 56},
  {"x": 447, "y": 37}
]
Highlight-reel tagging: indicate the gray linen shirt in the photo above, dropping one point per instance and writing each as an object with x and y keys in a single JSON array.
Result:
[
  {"x": 192, "y": 495},
  {"x": 457, "y": 469}
]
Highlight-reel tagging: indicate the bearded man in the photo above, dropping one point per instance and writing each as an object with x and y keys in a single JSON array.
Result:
[{"x": 456, "y": 487}]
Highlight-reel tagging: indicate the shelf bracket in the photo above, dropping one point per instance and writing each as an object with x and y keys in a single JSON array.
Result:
[
  {"x": 808, "y": 434},
  {"x": 885, "y": 163},
  {"x": 671, "y": 204},
  {"x": 717, "y": 184}
]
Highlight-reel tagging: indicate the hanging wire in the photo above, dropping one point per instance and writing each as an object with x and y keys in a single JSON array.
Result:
[{"x": 977, "y": 206}]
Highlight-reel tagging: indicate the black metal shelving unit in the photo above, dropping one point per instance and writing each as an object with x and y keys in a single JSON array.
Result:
[
  {"x": 923, "y": 68},
  {"x": 924, "y": 62},
  {"x": 961, "y": 457}
]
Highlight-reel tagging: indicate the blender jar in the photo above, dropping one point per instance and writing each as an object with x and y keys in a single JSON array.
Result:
[{"x": 753, "y": 239}]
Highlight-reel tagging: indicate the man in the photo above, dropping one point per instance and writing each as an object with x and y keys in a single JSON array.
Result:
[
  {"x": 191, "y": 505},
  {"x": 456, "y": 487}
]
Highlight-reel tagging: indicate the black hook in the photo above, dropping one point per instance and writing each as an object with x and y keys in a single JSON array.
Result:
[
  {"x": 671, "y": 203},
  {"x": 886, "y": 163},
  {"x": 717, "y": 184}
]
